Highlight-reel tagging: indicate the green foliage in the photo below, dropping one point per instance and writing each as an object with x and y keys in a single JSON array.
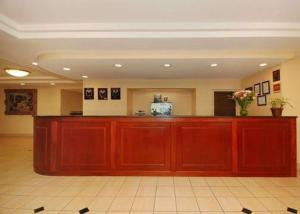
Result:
[{"x": 280, "y": 102}]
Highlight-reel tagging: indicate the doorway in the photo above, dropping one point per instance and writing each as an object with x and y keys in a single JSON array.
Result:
[{"x": 223, "y": 105}]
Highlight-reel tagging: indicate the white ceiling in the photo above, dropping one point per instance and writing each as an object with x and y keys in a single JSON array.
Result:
[{"x": 90, "y": 36}]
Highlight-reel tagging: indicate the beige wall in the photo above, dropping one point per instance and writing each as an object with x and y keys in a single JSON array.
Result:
[
  {"x": 290, "y": 88},
  {"x": 204, "y": 93},
  {"x": 48, "y": 103},
  {"x": 183, "y": 100},
  {"x": 70, "y": 101}
]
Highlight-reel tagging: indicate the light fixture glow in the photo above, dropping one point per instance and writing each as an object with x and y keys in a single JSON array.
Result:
[
  {"x": 214, "y": 65},
  {"x": 263, "y": 64},
  {"x": 17, "y": 73},
  {"x": 35, "y": 63},
  {"x": 22, "y": 83},
  {"x": 85, "y": 77},
  {"x": 118, "y": 65},
  {"x": 52, "y": 83},
  {"x": 67, "y": 69},
  {"x": 167, "y": 65}
]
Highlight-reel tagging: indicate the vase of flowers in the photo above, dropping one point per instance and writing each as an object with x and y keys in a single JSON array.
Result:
[{"x": 244, "y": 98}]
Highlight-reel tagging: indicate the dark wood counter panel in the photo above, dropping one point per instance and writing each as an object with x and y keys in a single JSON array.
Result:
[{"x": 193, "y": 146}]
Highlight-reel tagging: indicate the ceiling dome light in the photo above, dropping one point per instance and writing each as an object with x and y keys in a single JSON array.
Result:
[
  {"x": 35, "y": 63},
  {"x": 67, "y": 69},
  {"x": 118, "y": 65},
  {"x": 85, "y": 77},
  {"x": 263, "y": 64},
  {"x": 214, "y": 65},
  {"x": 167, "y": 65},
  {"x": 17, "y": 72},
  {"x": 52, "y": 83},
  {"x": 22, "y": 83}
]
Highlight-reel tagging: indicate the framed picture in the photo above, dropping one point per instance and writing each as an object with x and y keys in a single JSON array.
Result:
[
  {"x": 20, "y": 101},
  {"x": 88, "y": 93},
  {"x": 257, "y": 88},
  {"x": 249, "y": 88},
  {"x": 276, "y": 87},
  {"x": 276, "y": 75},
  {"x": 115, "y": 93},
  {"x": 265, "y": 87},
  {"x": 102, "y": 94},
  {"x": 262, "y": 100}
]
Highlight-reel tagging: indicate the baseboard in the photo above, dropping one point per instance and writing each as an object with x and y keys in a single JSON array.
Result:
[{"x": 16, "y": 135}]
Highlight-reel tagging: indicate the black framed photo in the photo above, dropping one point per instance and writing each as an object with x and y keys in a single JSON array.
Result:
[
  {"x": 265, "y": 87},
  {"x": 102, "y": 94},
  {"x": 262, "y": 100},
  {"x": 249, "y": 88},
  {"x": 276, "y": 75},
  {"x": 88, "y": 93},
  {"x": 257, "y": 88},
  {"x": 115, "y": 93}
]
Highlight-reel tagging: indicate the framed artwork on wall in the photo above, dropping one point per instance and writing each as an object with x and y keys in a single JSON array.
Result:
[
  {"x": 276, "y": 88},
  {"x": 262, "y": 100},
  {"x": 88, "y": 93},
  {"x": 249, "y": 88},
  {"x": 102, "y": 94},
  {"x": 115, "y": 93},
  {"x": 276, "y": 75},
  {"x": 257, "y": 88},
  {"x": 20, "y": 101},
  {"x": 265, "y": 87}
]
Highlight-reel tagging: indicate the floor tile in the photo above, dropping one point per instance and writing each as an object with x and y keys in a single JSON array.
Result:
[
  {"x": 121, "y": 204},
  {"x": 165, "y": 204},
  {"x": 230, "y": 204},
  {"x": 208, "y": 204},
  {"x": 143, "y": 204},
  {"x": 186, "y": 204}
]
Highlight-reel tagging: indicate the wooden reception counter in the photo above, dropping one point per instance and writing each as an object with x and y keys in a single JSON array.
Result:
[{"x": 191, "y": 146}]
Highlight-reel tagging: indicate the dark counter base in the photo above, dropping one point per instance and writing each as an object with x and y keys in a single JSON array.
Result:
[{"x": 192, "y": 146}]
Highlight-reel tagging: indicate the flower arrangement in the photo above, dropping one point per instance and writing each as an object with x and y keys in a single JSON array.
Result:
[{"x": 243, "y": 98}]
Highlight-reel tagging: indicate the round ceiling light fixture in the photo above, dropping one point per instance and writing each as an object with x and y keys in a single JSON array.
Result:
[
  {"x": 35, "y": 63},
  {"x": 84, "y": 76},
  {"x": 214, "y": 65},
  {"x": 118, "y": 65},
  {"x": 263, "y": 64},
  {"x": 16, "y": 72},
  {"x": 167, "y": 65}
]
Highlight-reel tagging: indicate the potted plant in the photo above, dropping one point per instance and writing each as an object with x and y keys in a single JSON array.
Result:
[{"x": 277, "y": 106}]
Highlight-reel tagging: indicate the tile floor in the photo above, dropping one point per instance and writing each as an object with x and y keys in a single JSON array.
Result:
[{"x": 22, "y": 190}]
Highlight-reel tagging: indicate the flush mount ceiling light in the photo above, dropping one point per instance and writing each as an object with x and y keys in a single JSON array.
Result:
[
  {"x": 263, "y": 64},
  {"x": 35, "y": 63},
  {"x": 22, "y": 83},
  {"x": 118, "y": 65},
  {"x": 167, "y": 65},
  {"x": 17, "y": 72},
  {"x": 85, "y": 77},
  {"x": 214, "y": 65},
  {"x": 52, "y": 83},
  {"x": 67, "y": 69}
]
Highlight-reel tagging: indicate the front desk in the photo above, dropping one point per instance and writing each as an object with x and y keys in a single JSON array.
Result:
[{"x": 189, "y": 146}]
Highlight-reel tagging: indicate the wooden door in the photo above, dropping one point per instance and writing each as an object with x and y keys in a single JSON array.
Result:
[{"x": 223, "y": 105}]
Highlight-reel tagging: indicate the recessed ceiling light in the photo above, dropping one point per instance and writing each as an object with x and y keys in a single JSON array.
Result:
[
  {"x": 35, "y": 63},
  {"x": 167, "y": 65},
  {"x": 52, "y": 83},
  {"x": 118, "y": 65},
  {"x": 263, "y": 64},
  {"x": 67, "y": 69},
  {"x": 214, "y": 65},
  {"x": 22, "y": 83},
  {"x": 85, "y": 77},
  {"x": 17, "y": 72}
]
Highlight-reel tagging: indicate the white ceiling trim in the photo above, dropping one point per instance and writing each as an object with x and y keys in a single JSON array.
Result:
[{"x": 148, "y": 30}]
